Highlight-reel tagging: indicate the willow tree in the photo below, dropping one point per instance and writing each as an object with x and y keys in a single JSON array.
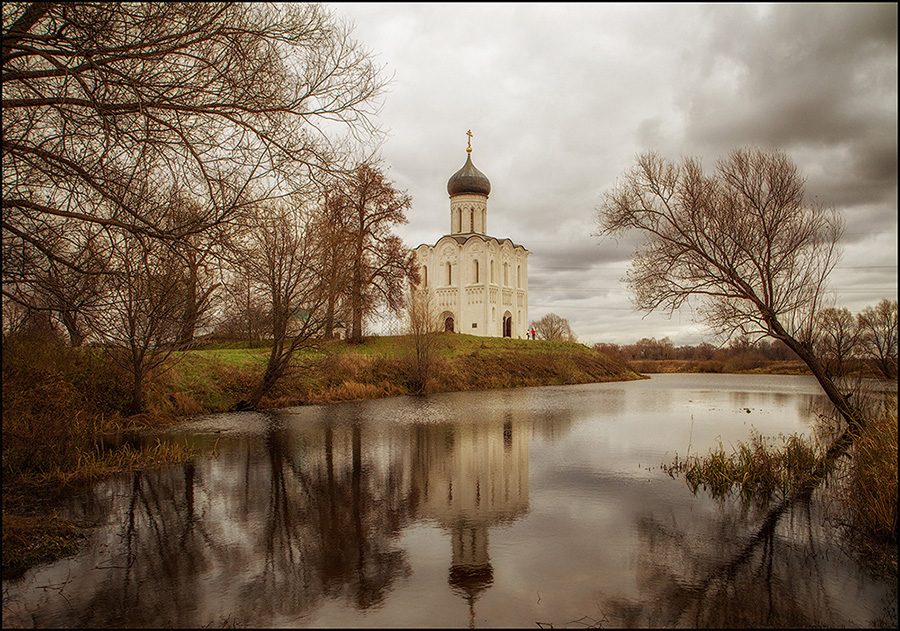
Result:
[{"x": 740, "y": 241}]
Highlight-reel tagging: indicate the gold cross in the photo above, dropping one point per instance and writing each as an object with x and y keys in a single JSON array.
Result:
[{"x": 469, "y": 134}]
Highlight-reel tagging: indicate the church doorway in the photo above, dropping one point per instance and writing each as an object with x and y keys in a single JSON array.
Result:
[
  {"x": 507, "y": 324},
  {"x": 448, "y": 320}
]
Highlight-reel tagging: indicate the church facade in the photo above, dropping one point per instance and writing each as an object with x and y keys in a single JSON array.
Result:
[{"x": 474, "y": 283}]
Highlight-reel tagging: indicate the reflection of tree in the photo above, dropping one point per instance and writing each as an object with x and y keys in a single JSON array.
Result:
[
  {"x": 553, "y": 425},
  {"x": 751, "y": 574},
  {"x": 163, "y": 545},
  {"x": 323, "y": 534},
  {"x": 272, "y": 527},
  {"x": 258, "y": 534}
]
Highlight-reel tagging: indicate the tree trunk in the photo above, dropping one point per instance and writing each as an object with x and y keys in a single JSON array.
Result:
[
  {"x": 356, "y": 304},
  {"x": 137, "y": 391},
  {"x": 69, "y": 320},
  {"x": 328, "y": 325},
  {"x": 850, "y": 413},
  {"x": 189, "y": 322}
]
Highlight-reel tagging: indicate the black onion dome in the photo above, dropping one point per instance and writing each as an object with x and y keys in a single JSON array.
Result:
[{"x": 469, "y": 180}]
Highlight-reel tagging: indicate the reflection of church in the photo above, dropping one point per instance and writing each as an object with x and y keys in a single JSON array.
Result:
[
  {"x": 469, "y": 477},
  {"x": 475, "y": 283}
]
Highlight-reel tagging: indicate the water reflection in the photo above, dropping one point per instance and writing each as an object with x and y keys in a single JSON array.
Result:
[
  {"x": 772, "y": 569},
  {"x": 469, "y": 477},
  {"x": 488, "y": 509},
  {"x": 310, "y": 511}
]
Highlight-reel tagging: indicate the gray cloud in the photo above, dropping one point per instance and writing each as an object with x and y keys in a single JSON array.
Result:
[{"x": 561, "y": 97}]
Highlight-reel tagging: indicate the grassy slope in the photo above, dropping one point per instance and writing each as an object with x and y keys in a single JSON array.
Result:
[{"x": 214, "y": 379}]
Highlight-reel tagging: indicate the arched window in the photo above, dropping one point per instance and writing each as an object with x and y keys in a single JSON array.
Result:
[
  {"x": 518, "y": 276},
  {"x": 471, "y": 220},
  {"x": 506, "y": 274},
  {"x": 424, "y": 276},
  {"x": 475, "y": 270},
  {"x": 449, "y": 273},
  {"x": 492, "y": 271}
]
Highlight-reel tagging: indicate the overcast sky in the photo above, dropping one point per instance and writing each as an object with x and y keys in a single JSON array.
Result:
[{"x": 560, "y": 99}]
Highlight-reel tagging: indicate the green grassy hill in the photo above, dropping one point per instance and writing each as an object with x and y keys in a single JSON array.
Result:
[{"x": 213, "y": 378}]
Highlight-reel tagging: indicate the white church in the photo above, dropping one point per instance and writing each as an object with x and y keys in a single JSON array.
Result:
[{"x": 476, "y": 284}]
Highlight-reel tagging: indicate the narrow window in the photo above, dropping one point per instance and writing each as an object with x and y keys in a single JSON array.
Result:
[
  {"x": 471, "y": 220},
  {"x": 425, "y": 276},
  {"x": 449, "y": 273},
  {"x": 476, "y": 271}
]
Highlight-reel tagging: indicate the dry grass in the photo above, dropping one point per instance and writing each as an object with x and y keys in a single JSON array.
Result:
[
  {"x": 871, "y": 486},
  {"x": 29, "y": 540},
  {"x": 756, "y": 470},
  {"x": 865, "y": 485}
]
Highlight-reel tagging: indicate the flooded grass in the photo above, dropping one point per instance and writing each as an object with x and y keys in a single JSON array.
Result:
[
  {"x": 755, "y": 469},
  {"x": 870, "y": 489},
  {"x": 29, "y": 540},
  {"x": 863, "y": 485}
]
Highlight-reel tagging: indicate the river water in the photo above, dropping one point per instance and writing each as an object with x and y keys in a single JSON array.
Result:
[{"x": 509, "y": 508}]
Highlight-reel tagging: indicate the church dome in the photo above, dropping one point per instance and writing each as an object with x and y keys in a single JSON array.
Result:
[{"x": 469, "y": 180}]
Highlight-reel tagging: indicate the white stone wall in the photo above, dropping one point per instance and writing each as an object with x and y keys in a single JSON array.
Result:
[
  {"x": 477, "y": 296},
  {"x": 468, "y": 214}
]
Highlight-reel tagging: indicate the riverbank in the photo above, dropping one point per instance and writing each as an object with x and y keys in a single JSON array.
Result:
[
  {"x": 734, "y": 366},
  {"x": 63, "y": 419}
]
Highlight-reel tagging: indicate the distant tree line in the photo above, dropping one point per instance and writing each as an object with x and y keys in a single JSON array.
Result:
[{"x": 866, "y": 342}]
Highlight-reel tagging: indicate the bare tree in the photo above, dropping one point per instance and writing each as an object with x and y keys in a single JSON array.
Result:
[
  {"x": 553, "y": 327},
  {"x": 278, "y": 259},
  {"x": 741, "y": 241},
  {"x": 380, "y": 264},
  {"x": 424, "y": 327},
  {"x": 837, "y": 340},
  {"x": 202, "y": 256},
  {"x": 878, "y": 336},
  {"x": 242, "y": 311},
  {"x": 104, "y": 103},
  {"x": 334, "y": 249},
  {"x": 70, "y": 295},
  {"x": 139, "y": 322}
]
